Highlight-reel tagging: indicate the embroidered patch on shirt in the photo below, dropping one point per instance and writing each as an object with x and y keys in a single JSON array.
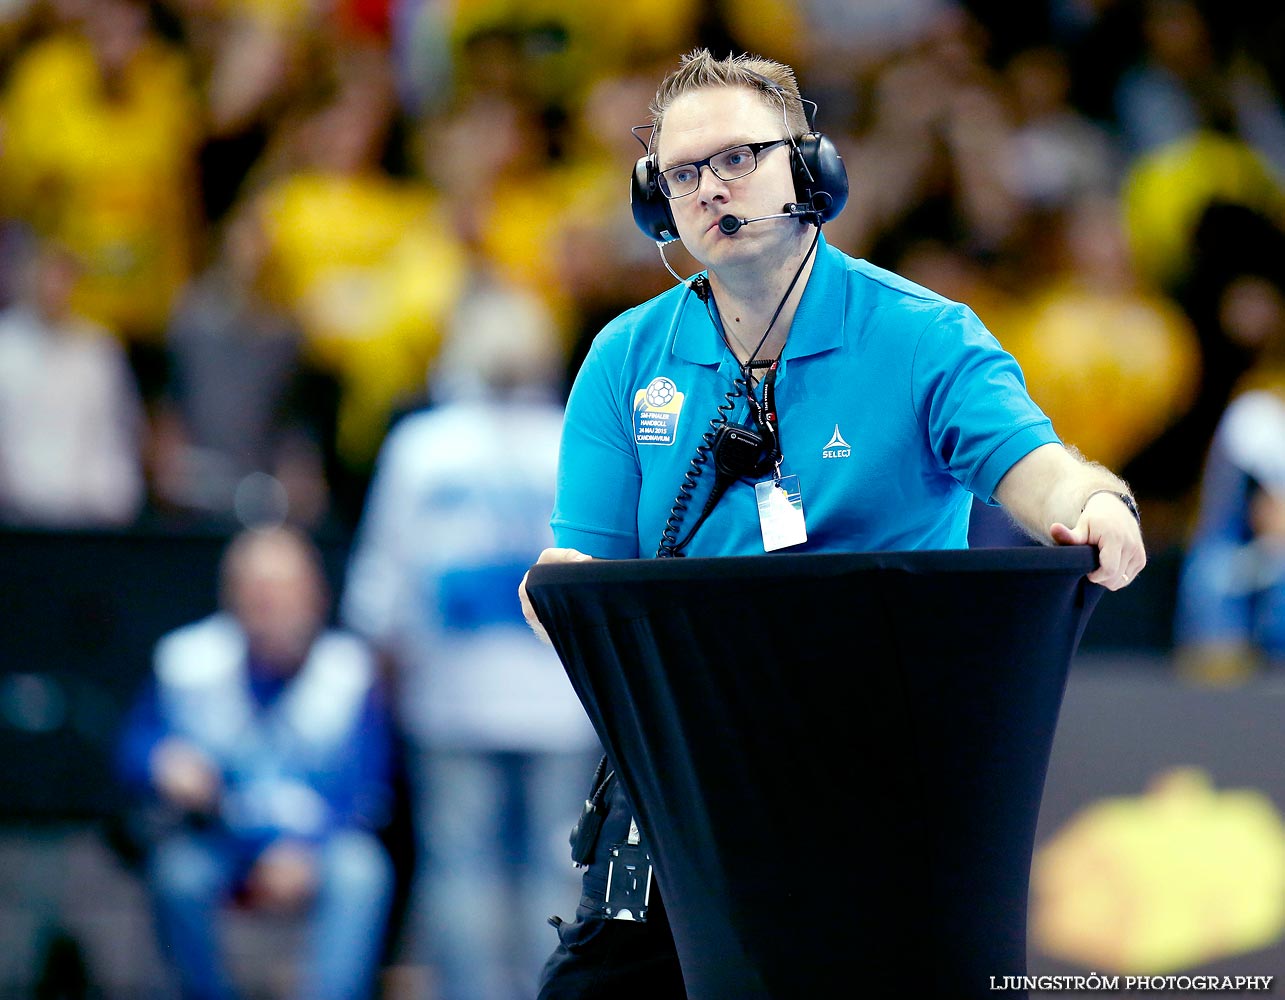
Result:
[{"x": 656, "y": 411}]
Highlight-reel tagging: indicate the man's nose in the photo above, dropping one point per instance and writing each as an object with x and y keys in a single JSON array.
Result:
[{"x": 711, "y": 186}]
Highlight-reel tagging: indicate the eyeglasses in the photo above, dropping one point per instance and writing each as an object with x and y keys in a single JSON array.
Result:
[{"x": 728, "y": 165}]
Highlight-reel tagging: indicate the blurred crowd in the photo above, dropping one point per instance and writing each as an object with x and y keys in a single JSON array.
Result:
[
  {"x": 238, "y": 231},
  {"x": 241, "y": 240}
]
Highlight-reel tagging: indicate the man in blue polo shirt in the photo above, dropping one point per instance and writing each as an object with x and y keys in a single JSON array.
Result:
[
  {"x": 893, "y": 406},
  {"x": 789, "y": 398}
]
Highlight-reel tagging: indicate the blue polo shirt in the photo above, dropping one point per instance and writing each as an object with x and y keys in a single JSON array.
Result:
[{"x": 894, "y": 405}]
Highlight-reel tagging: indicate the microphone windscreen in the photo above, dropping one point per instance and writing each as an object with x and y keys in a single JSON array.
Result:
[{"x": 729, "y": 224}]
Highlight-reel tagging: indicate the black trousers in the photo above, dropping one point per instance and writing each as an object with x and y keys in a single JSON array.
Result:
[{"x": 598, "y": 958}]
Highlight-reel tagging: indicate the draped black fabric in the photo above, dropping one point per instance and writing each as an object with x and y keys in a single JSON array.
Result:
[{"x": 839, "y": 759}]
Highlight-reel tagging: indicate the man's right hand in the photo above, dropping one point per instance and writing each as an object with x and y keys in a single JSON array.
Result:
[
  {"x": 184, "y": 776},
  {"x": 285, "y": 876},
  {"x": 528, "y": 610}
]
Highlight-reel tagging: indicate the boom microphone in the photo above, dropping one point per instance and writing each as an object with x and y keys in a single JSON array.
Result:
[{"x": 730, "y": 224}]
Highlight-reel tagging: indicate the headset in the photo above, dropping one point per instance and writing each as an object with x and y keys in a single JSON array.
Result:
[{"x": 820, "y": 180}]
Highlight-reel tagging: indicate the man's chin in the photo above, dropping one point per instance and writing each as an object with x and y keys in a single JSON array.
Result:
[{"x": 719, "y": 248}]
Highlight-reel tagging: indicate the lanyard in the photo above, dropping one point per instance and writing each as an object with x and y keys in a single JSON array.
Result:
[{"x": 765, "y": 415}]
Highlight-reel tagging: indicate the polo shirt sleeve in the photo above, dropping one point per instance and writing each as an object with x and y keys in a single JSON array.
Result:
[
  {"x": 971, "y": 399},
  {"x": 596, "y": 510}
]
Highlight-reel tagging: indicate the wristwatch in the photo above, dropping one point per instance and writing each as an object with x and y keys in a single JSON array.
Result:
[{"x": 1124, "y": 498}]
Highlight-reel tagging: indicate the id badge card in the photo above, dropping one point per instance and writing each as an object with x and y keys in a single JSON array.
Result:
[
  {"x": 780, "y": 505},
  {"x": 628, "y": 883}
]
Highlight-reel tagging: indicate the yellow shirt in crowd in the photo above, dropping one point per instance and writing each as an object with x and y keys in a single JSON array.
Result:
[{"x": 111, "y": 177}]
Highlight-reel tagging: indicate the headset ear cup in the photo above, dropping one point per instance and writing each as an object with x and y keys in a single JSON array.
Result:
[
  {"x": 650, "y": 206},
  {"x": 820, "y": 177}
]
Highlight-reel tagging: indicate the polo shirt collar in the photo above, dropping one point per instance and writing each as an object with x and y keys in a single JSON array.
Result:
[{"x": 818, "y": 323}]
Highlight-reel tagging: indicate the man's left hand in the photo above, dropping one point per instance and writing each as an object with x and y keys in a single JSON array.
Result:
[{"x": 1107, "y": 524}]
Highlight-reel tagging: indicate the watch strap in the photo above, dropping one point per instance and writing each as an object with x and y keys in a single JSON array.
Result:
[{"x": 1124, "y": 498}]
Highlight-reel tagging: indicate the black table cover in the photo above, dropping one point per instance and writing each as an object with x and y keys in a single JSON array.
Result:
[{"x": 839, "y": 759}]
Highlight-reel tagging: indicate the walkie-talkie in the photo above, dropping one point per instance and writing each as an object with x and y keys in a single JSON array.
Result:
[{"x": 741, "y": 452}]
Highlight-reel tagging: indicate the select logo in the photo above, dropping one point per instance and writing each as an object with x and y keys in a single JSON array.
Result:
[{"x": 836, "y": 447}]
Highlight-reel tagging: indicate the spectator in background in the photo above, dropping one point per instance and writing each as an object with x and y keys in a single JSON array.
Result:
[
  {"x": 1056, "y": 154},
  {"x": 368, "y": 263},
  {"x": 250, "y": 60},
  {"x": 1193, "y": 207},
  {"x": 506, "y": 197},
  {"x": 1230, "y": 617},
  {"x": 264, "y": 745},
  {"x": 246, "y": 413},
  {"x": 934, "y": 157},
  {"x": 1101, "y": 40},
  {"x": 1232, "y": 243},
  {"x": 70, "y": 416},
  {"x": 1188, "y": 78},
  {"x": 548, "y": 54},
  {"x": 101, "y": 126},
  {"x": 842, "y": 43},
  {"x": 458, "y": 508},
  {"x": 604, "y": 262},
  {"x": 1137, "y": 357},
  {"x": 1168, "y": 190}
]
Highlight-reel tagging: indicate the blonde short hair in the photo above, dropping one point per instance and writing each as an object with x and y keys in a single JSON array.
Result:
[{"x": 699, "y": 69}]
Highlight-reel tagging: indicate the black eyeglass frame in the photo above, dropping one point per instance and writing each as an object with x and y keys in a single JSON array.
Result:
[{"x": 755, "y": 149}]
